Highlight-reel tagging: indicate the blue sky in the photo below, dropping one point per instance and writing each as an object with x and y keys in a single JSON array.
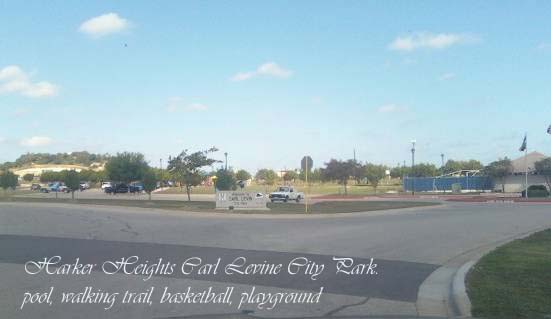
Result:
[{"x": 269, "y": 82}]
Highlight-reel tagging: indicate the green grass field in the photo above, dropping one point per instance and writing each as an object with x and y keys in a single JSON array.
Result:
[
  {"x": 513, "y": 281},
  {"x": 208, "y": 206},
  {"x": 318, "y": 189}
]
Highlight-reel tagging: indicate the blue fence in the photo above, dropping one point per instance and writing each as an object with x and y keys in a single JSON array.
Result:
[{"x": 438, "y": 184}]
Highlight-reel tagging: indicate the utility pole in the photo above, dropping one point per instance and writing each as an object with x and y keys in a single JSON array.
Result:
[
  {"x": 442, "y": 155},
  {"x": 161, "y": 168},
  {"x": 413, "y": 167},
  {"x": 226, "y": 155}
]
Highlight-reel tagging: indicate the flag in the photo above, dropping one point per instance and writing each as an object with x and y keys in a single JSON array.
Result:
[
  {"x": 523, "y": 146},
  {"x": 549, "y": 129}
]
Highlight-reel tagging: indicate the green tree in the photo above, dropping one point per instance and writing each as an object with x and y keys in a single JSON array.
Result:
[
  {"x": 28, "y": 177},
  {"x": 424, "y": 170},
  {"x": 314, "y": 176},
  {"x": 225, "y": 180},
  {"x": 242, "y": 175},
  {"x": 399, "y": 171},
  {"x": 498, "y": 170},
  {"x": 48, "y": 177},
  {"x": 8, "y": 180},
  {"x": 186, "y": 168},
  {"x": 340, "y": 171},
  {"x": 454, "y": 166},
  {"x": 72, "y": 181},
  {"x": 543, "y": 168},
  {"x": 149, "y": 180},
  {"x": 374, "y": 173},
  {"x": 126, "y": 167},
  {"x": 266, "y": 176},
  {"x": 290, "y": 176}
]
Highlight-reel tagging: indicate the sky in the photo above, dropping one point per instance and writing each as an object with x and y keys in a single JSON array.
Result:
[{"x": 271, "y": 81}]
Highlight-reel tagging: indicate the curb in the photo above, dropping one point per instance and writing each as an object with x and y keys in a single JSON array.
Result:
[{"x": 458, "y": 293}]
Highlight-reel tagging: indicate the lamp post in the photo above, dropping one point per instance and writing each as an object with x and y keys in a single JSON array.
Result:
[
  {"x": 226, "y": 155},
  {"x": 413, "y": 167},
  {"x": 442, "y": 155},
  {"x": 161, "y": 168}
]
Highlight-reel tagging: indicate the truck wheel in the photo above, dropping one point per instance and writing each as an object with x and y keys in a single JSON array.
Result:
[
  {"x": 298, "y": 199},
  {"x": 286, "y": 199}
]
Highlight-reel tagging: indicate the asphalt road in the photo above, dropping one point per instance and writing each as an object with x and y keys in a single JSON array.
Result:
[{"x": 407, "y": 246}]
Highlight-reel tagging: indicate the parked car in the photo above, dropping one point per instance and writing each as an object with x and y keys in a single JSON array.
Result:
[
  {"x": 35, "y": 187},
  {"x": 117, "y": 188},
  {"x": 58, "y": 187},
  {"x": 136, "y": 187},
  {"x": 104, "y": 185},
  {"x": 44, "y": 190},
  {"x": 84, "y": 186},
  {"x": 285, "y": 194}
]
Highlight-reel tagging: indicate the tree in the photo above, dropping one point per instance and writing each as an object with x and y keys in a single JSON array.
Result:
[
  {"x": 290, "y": 176},
  {"x": 399, "y": 171},
  {"x": 149, "y": 180},
  {"x": 186, "y": 168},
  {"x": 266, "y": 176},
  {"x": 454, "y": 166},
  {"x": 242, "y": 175},
  {"x": 359, "y": 172},
  {"x": 314, "y": 176},
  {"x": 28, "y": 177},
  {"x": 340, "y": 171},
  {"x": 8, "y": 180},
  {"x": 543, "y": 168},
  {"x": 72, "y": 181},
  {"x": 225, "y": 180},
  {"x": 374, "y": 174},
  {"x": 48, "y": 177},
  {"x": 499, "y": 170},
  {"x": 424, "y": 170},
  {"x": 126, "y": 167}
]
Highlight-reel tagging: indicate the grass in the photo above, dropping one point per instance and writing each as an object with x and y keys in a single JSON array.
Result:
[
  {"x": 320, "y": 189},
  {"x": 513, "y": 281},
  {"x": 208, "y": 206}
]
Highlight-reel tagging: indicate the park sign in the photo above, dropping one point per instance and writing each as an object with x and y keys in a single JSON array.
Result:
[{"x": 240, "y": 200}]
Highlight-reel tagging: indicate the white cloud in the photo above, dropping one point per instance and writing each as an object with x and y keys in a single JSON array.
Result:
[
  {"x": 36, "y": 141},
  {"x": 104, "y": 24},
  {"x": 391, "y": 108},
  {"x": 176, "y": 104},
  {"x": 14, "y": 80},
  {"x": 447, "y": 76},
  {"x": 270, "y": 69},
  {"x": 426, "y": 40}
]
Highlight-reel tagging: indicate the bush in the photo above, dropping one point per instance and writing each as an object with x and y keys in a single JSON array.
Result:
[{"x": 536, "y": 191}]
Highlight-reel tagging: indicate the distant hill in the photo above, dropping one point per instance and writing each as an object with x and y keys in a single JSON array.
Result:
[{"x": 83, "y": 158}]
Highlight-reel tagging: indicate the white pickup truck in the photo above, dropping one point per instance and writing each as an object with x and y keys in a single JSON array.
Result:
[{"x": 285, "y": 194}]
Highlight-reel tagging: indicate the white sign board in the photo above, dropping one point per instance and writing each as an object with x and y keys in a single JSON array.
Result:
[{"x": 240, "y": 200}]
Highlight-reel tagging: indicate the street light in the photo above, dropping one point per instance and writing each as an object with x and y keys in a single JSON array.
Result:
[
  {"x": 442, "y": 155},
  {"x": 226, "y": 155},
  {"x": 413, "y": 167},
  {"x": 161, "y": 168}
]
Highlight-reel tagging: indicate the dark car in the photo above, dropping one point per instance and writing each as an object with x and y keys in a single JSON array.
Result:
[
  {"x": 117, "y": 189},
  {"x": 35, "y": 187}
]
